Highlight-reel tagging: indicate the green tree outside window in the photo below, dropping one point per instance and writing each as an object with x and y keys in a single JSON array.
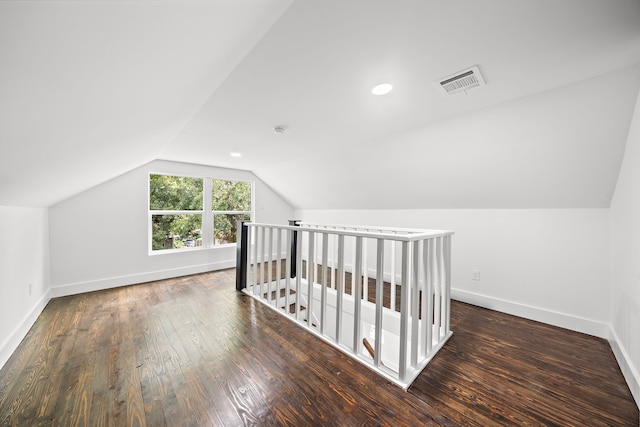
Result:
[
  {"x": 176, "y": 206},
  {"x": 231, "y": 202}
]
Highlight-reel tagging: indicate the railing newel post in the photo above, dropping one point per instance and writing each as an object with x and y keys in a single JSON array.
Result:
[
  {"x": 241, "y": 255},
  {"x": 294, "y": 244}
]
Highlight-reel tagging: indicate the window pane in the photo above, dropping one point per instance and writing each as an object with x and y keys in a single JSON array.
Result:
[
  {"x": 231, "y": 195},
  {"x": 225, "y": 227},
  {"x": 176, "y": 231},
  {"x": 177, "y": 193}
]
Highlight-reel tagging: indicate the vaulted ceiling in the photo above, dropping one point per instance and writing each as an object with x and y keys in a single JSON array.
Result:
[{"x": 90, "y": 90}]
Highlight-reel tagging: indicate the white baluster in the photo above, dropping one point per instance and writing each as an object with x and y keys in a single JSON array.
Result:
[
  {"x": 414, "y": 304},
  {"x": 354, "y": 279},
  {"x": 377, "y": 353},
  {"x": 298, "y": 271},
  {"x": 357, "y": 297},
  {"x": 287, "y": 281},
  {"x": 404, "y": 308},
  {"x": 278, "y": 269},
  {"x": 323, "y": 311},
  {"x": 437, "y": 287},
  {"x": 392, "y": 303},
  {"x": 254, "y": 257},
  {"x": 262, "y": 261},
  {"x": 427, "y": 296},
  {"x": 365, "y": 273},
  {"x": 310, "y": 277},
  {"x": 447, "y": 270},
  {"x": 269, "y": 281},
  {"x": 339, "y": 288}
]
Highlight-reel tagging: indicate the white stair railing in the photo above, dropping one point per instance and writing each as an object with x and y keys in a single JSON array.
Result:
[{"x": 345, "y": 284}]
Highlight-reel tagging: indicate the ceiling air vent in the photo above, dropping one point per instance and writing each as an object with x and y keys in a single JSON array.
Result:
[{"x": 462, "y": 81}]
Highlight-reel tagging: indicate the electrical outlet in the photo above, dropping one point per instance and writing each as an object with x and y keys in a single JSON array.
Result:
[
  {"x": 475, "y": 275},
  {"x": 30, "y": 286}
]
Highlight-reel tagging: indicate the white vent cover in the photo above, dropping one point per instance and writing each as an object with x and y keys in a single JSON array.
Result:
[{"x": 462, "y": 81}]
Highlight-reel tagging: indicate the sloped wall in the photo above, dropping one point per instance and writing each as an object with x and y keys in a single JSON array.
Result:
[
  {"x": 625, "y": 260},
  {"x": 558, "y": 149},
  {"x": 99, "y": 238},
  {"x": 549, "y": 265}
]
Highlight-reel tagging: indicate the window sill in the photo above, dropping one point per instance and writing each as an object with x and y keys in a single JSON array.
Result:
[{"x": 189, "y": 250}]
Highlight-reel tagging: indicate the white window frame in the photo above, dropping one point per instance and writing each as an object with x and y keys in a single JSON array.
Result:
[{"x": 207, "y": 213}]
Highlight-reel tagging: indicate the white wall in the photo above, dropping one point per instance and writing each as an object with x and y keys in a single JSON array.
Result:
[
  {"x": 99, "y": 238},
  {"x": 24, "y": 259},
  {"x": 545, "y": 264},
  {"x": 625, "y": 261}
]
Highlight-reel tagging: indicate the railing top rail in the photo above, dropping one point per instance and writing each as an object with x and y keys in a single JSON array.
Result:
[
  {"x": 387, "y": 233},
  {"x": 366, "y": 227}
]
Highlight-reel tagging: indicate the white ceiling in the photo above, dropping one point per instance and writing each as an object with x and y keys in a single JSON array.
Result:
[
  {"x": 92, "y": 89},
  {"x": 89, "y": 90}
]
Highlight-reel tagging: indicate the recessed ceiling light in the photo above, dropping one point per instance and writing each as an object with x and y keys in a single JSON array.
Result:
[
  {"x": 381, "y": 89},
  {"x": 235, "y": 154}
]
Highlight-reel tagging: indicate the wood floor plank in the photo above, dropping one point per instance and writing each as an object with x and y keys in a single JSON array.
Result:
[
  {"x": 193, "y": 351},
  {"x": 31, "y": 354},
  {"x": 56, "y": 351}
]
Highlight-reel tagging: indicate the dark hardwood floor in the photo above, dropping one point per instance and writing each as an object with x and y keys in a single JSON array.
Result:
[{"x": 192, "y": 351}]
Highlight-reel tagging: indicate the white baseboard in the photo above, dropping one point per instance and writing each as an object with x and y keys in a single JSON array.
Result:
[
  {"x": 624, "y": 361},
  {"x": 11, "y": 344},
  {"x": 567, "y": 321},
  {"x": 133, "y": 279}
]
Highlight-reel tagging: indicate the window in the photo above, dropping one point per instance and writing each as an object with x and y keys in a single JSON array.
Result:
[
  {"x": 231, "y": 202},
  {"x": 178, "y": 218}
]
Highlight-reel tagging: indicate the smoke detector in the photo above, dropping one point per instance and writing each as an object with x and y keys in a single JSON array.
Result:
[
  {"x": 279, "y": 129},
  {"x": 462, "y": 81}
]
